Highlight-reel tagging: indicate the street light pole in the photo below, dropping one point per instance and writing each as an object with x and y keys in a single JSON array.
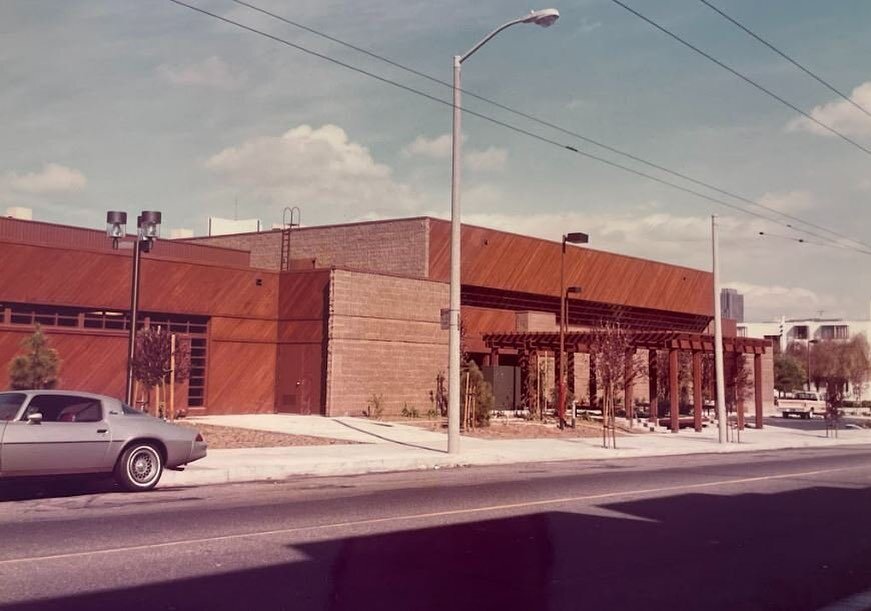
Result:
[
  {"x": 718, "y": 335},
  {"x": 147, "y": 230},
  {"x": 574, "y": 238},
  {"x": 543, "y": 18},
  {"x": 810, "y": 343},
  {"x": 134, "y": 315}
]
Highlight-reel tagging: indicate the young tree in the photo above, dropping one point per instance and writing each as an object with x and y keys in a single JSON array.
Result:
[
  {"x": 38, "y": 367},
  {"x": 858, "y": 362},
  {"x": 789, "y": 372},
  {"x": 835, "y": 364},
  {"x": 616, "y": 367},
  {"x": 153, "y": 356},
  {"x": 478, "y": 400}
]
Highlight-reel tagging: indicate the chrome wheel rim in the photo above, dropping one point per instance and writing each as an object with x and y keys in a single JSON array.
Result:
[{"x": 143, "y": 466}]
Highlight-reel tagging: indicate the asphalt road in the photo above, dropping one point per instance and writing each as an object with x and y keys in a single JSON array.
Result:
[{"x": 781, "y": 530}]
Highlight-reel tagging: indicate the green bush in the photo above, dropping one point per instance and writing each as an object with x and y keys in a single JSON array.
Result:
[
  {"x": 409, "y": 412},
  {"x": 38, "y": 367}
]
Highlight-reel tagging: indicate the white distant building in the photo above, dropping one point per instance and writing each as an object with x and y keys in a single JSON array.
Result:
[
  {"x": 180, "y": 234},
  {"x": 17, "y": 212},
  {"x": 219, "y": 226},
  {"x": 787, "y": 330}
]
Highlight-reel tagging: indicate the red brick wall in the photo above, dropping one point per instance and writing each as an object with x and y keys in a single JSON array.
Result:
[
  {"x": 393, "y": 247},
  {"x": 385, "y": 338}
]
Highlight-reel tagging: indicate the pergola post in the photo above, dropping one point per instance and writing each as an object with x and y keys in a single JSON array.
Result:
[
  {"x": 697, "y": 391},
  {"x": 674, "y": 390},
  {"x": 594, "y": 387},
  {"x": 628, "y": 385},
  {"x": 653, "y": 390},
  {"x": 740, "y": 389},
  {"x": 494, "y": 357},
  {"x": 570, "y": 369},
  {"x": 757, "y": 384},
  {"x": 523, "y": 357}
]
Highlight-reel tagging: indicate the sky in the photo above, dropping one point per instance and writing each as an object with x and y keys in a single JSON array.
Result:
[{"x": 108, "y": 104}]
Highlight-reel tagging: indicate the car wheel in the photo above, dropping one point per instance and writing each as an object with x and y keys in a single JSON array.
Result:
[{"x": 139, "y": 467}]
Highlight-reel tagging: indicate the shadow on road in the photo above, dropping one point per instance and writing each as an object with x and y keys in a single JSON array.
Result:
[
  {"x": 794, "y": 550},
  {"x": 28, "y": 489}
]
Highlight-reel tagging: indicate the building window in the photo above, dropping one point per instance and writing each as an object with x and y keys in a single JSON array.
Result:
[
  {"x": 800, "y": 332},
  {"x": 197, "y": 380},
  {"x": 835, "y": 332},
  {"x": 742, "y": 331},
  {"x": 194, "y": 327},
  {"x": 775, "y": 342}
]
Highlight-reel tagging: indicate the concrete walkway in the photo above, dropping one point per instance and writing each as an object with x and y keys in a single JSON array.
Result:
[{"x": 387, "y": 446}]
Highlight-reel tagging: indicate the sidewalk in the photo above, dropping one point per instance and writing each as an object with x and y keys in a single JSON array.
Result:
[{"x": 387, "y": 446}]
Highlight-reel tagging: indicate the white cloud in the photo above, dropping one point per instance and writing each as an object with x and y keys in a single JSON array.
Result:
[
  {"x": 772, "y": 301},
  {"x": 840, "y": 115},
  {"x": 791, "y": 201},
  {"x": 586, "y": 26},
  {"x": 436, "y": 148},
  {"x": 53, "y": 178},
  {"x": 211, "y": 72},
  {"x": 490, "y": 159},
  {"x": 317, "y": 168}
]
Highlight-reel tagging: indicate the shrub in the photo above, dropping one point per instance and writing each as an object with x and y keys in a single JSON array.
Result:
[
  {"x": 374, "y": 407},
  {"x": 479, "y": 398},
  {"x": 409, "y": 412}
]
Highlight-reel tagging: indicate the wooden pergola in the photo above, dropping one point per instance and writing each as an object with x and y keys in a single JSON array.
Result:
[{"x": 671, "y": 342}]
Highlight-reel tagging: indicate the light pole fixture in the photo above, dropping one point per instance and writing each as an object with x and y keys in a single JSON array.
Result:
[
  {"x": 147, "y": 230},
  {"x": 544, "y": 18},
  {"x": 576, "y": 237}
]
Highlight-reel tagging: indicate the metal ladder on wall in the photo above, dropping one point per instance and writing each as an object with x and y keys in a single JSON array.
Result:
[{"x": 290, "y": 218}]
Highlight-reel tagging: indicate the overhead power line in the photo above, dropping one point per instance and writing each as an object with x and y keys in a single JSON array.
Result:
[
  {"x": 494, "y": 121},
  {"x": 745, "y": 78},
  {"x": 795, "y": 63},
  {"x": 548, "y": 124}
]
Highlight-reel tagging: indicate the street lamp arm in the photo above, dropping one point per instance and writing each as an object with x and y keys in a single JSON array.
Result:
[
  {"x": 487, "y": 38},
  {"x": 544, "y": 18}
]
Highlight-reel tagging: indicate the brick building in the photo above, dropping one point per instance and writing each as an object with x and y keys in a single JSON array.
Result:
[{"x": 319, "y": 319}]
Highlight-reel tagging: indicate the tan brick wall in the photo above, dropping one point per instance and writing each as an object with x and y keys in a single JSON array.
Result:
[
  {"x": 384, "y": 338},
  {"x": 392, "y": 247}
]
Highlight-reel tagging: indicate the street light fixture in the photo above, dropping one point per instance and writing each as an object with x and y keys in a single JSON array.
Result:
[
  {"x": 576, "y": 237},
  {"x": 147, "y": 230},
  {"x": 544, "y": 18}
]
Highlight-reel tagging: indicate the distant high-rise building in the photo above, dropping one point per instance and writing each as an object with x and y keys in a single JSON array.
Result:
[{"x": 732, "y": 304}]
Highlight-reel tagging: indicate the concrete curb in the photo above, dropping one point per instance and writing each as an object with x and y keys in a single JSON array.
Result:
[{"x": 272, "y": 464}]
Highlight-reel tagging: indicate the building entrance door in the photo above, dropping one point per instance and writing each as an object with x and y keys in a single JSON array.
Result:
[{"x": 299, "y": 379}]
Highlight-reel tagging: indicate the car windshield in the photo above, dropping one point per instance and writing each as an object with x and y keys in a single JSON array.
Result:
[
  {"x": 130, "y": 411},
  {"x": 10, "y": 403}
]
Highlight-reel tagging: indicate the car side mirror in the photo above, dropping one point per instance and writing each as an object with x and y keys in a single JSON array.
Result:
[{"x": 35, "y": 418}]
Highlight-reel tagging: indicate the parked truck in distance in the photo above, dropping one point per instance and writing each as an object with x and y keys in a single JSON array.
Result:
[{"x": 803, "y": 404}]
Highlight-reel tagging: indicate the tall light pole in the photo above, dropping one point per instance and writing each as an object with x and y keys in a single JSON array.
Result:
[
  {"x": 718, "y": 335},
  {"x": 147, "y": 230},
  {"x": 570, "y": 238},
  {"x": 810, "y": 343},
  {"x": 543, "y": 18}
]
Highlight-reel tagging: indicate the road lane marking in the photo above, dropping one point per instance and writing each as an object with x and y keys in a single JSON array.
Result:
[{"x": 424, "y": 516}]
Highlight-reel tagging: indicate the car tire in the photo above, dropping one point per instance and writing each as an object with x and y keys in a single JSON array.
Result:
[{"x": 139, "y": 468}]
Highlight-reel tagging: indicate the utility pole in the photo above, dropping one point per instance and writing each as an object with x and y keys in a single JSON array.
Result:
[{"x": 718, "y": 336}]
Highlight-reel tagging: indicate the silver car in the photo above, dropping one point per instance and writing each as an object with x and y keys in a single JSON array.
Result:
[{"x": 50, "y": 432}]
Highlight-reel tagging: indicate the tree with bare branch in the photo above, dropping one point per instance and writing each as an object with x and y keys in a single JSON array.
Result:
[
  {"x": 153, "y": 358},
  {"x": 616, "y": 367}
]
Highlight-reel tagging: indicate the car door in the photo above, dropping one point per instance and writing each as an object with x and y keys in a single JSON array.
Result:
[
  {"x": 73, "y": 437},
  {"x": 10, "y": 405}
]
